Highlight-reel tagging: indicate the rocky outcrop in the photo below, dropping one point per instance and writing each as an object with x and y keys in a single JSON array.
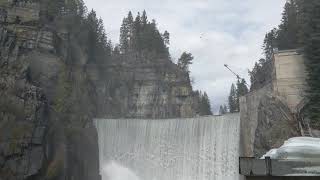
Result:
[
  {"x": 276, "y": 124},
  {"x": 47, "y": 102},
  {"x": 273, "y": 111},
  {"x": 266, "y": 122},
  {"x": 249, "y": 119},
  {"x": 46, "y": 128},
  {"x": 142, "y": 89},
  {"x": 262, "y": 74}
]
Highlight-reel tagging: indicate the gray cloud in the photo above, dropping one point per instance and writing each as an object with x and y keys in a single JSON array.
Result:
[{"x": 216, "y": 32}]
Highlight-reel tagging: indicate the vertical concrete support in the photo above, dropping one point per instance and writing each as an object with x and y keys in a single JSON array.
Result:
[
  {"x": 289, "y": 82},
  {"x": 263, "y": 111}
]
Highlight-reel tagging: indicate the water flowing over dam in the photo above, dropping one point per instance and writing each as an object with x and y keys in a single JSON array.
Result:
[{"x": 204, "y": 148}]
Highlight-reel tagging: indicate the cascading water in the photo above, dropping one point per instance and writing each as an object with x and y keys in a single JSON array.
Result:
[{"x": 205, "y": 148}]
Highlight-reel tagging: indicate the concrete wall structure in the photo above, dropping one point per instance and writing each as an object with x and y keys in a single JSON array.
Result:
[
  {"x": 265, "y": 169},
  {"x": 289, "y": 82},
  {"x": 200, "y": 148},
  {"x": 281, "y": 178},
  {"x": 264, "y": 110}
]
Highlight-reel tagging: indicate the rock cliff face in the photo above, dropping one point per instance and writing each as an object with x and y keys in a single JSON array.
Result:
[
  {"x": 276, "y": 124},
  {"x": 45, "y": 123},
  {"x": 47, "y": 103},
  {"x": 271, "y": 112},
  {"x": 142, "y": 89},
  {"x": 266, "y": 122}
]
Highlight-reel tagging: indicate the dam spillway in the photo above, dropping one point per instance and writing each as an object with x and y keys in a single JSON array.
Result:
[{"x": 204, "y": 148}]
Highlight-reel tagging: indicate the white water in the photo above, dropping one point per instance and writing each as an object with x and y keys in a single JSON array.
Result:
[{"x": 176, "y": 149}]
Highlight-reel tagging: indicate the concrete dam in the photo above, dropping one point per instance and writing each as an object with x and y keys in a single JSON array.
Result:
[{"x": 204, "y": 148}]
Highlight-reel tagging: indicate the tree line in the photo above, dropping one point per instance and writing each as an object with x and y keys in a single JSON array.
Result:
[
  {"x": 236, "y": 91},
  {"x": 202, "y": 103},
  {"x": 141, "y": 35},
  {"x": 299, "y": 28},
  {"x": 138, "y": 36},
  {"x": 82, "y": 26}
]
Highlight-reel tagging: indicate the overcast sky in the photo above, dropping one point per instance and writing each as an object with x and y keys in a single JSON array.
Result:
[{"x": 216, "y": 32}]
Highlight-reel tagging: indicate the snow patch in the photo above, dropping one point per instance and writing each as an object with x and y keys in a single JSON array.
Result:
[{"x": 296, "y": 148}]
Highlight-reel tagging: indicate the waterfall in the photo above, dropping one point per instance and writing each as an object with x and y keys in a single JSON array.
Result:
[{"x": 204, "y": 148}]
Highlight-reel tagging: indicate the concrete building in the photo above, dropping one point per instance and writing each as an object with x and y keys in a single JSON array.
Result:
[
  {"x": 289, "y": 80},
  {"x": 285, "y": 92},
  {"x": 260, "y": 121}
]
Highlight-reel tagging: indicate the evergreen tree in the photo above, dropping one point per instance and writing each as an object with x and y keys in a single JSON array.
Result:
[
  {"x": 261, "y": 74},
  {"x": 116, "y": 51},
  {"x": 299, "y": 28},
  {"x": 309, "y": 36},
  {"x": 233, "y": 99},
  {"x": 166, "y": 37},
  {"x": 184, "y": 61},
  {"x": 270, "y": 43},
  {"x": 288, "y": 29},
  {"x": 196, "y": 100},
  {"x": 154, "y": 42},
  {"x": 53, "y": 8},
  {"x": 242, "y": 87},
  {"x": 130, "y": 27},
  {"x": 124, "y": 36},
  {"x": 82, "y": 9},
  {"x": 202, "y": 103},
  {"x": 130, "y": 20},
  {"x": 225, "y": 108},
  {"x": 92, "y": 23},
  {"x": 144, "y": 19},
  {"x": 137, "y": 33},
  {"x": 147, "y": 34},
  {"x": 98, "y": 47},
  {"x": 285, "y": 37},
  {"x": 222, "y": 110},
  {"x": 242, "y": 90},
  {"x": 205, "y": 105},
  {"x": 142, "y": 37}
]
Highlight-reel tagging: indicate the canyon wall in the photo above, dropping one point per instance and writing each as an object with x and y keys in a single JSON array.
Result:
[
  {"x": 47, "y": 103},
  {"x": 46, "y": 128},
  {"x": 142, "y": 89}
]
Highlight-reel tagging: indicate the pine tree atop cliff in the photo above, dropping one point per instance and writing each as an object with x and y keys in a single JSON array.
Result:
[
  {"x": 185, "y": 61},
  {"x": 142, "y": 36}
]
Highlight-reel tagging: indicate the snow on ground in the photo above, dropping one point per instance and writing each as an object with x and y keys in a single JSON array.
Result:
[{"x": 296, "y": 148}]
